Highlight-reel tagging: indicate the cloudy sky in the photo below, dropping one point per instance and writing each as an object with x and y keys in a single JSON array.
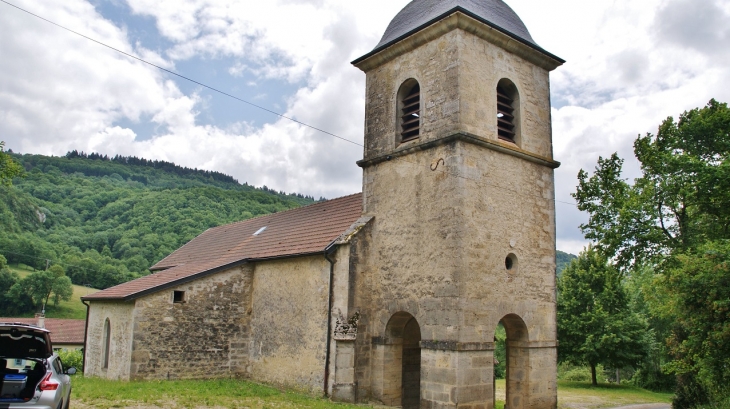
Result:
[{"x": 630, "y": 64}]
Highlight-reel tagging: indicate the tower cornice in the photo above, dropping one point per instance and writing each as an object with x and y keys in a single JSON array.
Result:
[
  {"x": 499, "y": 146},
  {"x": 459, "y": 18}
]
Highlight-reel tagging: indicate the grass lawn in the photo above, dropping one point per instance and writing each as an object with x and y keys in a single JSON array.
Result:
[
  {"x": 575, "y": 395},
  {"x": 94, "y": 393},
  {"x": 73, "y": 309},
  {"x": 605, "y": 395}
]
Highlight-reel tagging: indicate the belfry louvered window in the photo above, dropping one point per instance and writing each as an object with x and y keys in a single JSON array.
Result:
[
  {"x": 410, "y": 115},
  {"x": 505, "y": 115}
]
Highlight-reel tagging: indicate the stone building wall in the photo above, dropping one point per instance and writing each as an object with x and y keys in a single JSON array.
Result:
[
  {"x": 205, "y": 336},
  {"x": 289, "y": 322},
  {"x": 119, "y": 315}
]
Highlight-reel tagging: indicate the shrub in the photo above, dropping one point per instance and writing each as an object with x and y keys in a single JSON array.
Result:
[
  {"x": 567, "y": 372},
  {"x": 72, "y": 359}
]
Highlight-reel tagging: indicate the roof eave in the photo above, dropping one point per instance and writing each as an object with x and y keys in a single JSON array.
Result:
[
  {"x": 182, "y": 280},
  {"x": 187, "y": 279},
  {"x": 557, "y": 60}
]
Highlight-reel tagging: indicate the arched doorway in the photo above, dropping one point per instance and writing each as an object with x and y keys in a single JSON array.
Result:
[
  {"x": 516, "y": 360},
  {"x": 402, "y": 361}
]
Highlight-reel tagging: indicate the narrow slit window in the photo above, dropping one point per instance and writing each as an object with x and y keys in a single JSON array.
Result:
[
  {"x": 107, "y": 343},
  {"x": 410, "y": 119},
  {"x": 505, "y": 115}
]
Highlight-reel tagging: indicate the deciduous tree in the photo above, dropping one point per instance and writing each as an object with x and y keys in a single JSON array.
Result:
[
  {"x": 595, "y": 324},
  {"x": 39, "y": 287},
  {"x": 672, "y": 218}
]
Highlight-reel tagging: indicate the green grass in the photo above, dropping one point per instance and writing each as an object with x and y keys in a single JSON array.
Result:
[
  {"x": 230, "y": 393},
  {"x": 227, "y": 393},
  {"x": 606, "y": 395},
  {"x": 584, "y": 395},
  {"x": 72, "y": 309}
]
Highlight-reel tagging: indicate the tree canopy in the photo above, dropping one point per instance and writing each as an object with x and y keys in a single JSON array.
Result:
[
  {"x": 9, "y": 169},
  {"x": 681, "y": 200},
  {"x": 675, "y": 219}
]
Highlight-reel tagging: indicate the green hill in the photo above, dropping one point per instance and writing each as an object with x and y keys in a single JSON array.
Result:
[
  {"x": 106, "y": 220},
  {"x": 562, "y": 260}
]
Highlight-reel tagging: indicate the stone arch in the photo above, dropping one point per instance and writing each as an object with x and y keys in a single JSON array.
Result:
[
  {"x": 400, "y": 355},
  {"x": 518, "y": 362}
]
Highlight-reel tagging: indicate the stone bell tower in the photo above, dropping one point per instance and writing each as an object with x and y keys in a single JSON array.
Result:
[{"x": 458, "y": 179}]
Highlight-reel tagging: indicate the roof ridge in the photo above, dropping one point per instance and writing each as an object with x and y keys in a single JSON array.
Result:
[{"x": 249, "y": 220}]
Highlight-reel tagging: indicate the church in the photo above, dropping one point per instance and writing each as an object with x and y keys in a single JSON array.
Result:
[{"x": 391, "y": 295}]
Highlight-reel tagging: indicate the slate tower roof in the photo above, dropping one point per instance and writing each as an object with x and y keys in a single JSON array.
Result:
[{"x": 419, "y": 14}]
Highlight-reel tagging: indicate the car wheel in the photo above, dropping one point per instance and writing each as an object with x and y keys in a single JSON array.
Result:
[
  {"x": 60, "y": 405},
  {"x": 68, "y": 403}
]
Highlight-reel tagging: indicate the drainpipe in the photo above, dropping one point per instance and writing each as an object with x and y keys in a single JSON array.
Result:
[
  {"x": 327, "y": 251},
  {"x": 86, "y": 332}
]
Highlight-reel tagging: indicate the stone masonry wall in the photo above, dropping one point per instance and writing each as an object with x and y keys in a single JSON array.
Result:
[
  {"x": 206, "y": 336},
  {"x": 289, "y": 322},
  {"x": 119, "y": 315}
]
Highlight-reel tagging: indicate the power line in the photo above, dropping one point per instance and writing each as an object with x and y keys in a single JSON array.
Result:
[
  {"x": 181, "y": 76},
  {"x": 255, "y": 105}
]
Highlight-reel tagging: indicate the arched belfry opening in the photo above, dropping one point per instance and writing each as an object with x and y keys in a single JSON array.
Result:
[
  {"x": 517, "y": 363},
  {"x": 402, "y": 362},
  {"x": 409, "y": 111},
  {"x": 508, "y": 111}
]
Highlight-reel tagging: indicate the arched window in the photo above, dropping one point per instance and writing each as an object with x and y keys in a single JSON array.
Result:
[
  {"x": 409, "y": 110},
  {"x": 507, "y": 111},
  {"x": 107, "y": 342}
]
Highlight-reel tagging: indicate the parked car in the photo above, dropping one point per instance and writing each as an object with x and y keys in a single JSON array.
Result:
[{"x": 31, "y": 374}]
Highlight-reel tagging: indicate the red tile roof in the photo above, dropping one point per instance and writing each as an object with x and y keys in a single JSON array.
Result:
[
  {"x": 297, "y": 232},
  {"x": 62, "y": 331}
]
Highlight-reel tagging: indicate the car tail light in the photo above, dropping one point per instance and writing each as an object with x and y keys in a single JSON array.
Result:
[{"x": 47, "y": 384}]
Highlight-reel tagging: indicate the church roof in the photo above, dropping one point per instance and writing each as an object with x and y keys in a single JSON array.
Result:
[
  {"x": 304, "y": 231},
  {"x": 419, "y": 14}
]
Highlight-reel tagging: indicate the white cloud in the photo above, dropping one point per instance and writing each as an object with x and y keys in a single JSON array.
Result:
[{"x": 58, "y": 90}]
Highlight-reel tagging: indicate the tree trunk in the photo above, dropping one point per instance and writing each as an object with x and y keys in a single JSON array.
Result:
[
  {"x": 618, "y": 376},
  {"x": 594, "y": 381}
]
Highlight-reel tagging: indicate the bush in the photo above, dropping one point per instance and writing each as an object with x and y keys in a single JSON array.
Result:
[
  {"x": 72, "y": 359},
  {"x": 567, "y": 372},
  {"x": 654, "y": 380}
]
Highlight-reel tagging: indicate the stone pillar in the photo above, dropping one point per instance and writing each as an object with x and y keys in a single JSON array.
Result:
[
  {"x": 344, "y": 388},
  {"x": 542, "y": 391},
  {"x": 388, "y": 370},
  {"x": 455, "y": 374}
]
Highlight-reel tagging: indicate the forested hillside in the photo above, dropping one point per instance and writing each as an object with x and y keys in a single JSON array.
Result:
[
  {"x": 106, "y": 220},
  {"x": 562, "y": 260}
]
